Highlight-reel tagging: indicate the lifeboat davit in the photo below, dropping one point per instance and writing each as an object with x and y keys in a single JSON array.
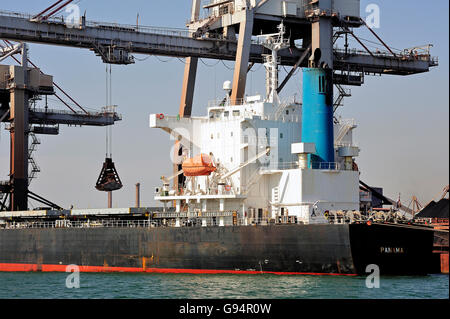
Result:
[{"x": 199, "y": 165}]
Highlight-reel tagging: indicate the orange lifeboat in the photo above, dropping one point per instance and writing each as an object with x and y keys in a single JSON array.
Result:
[{"x": 199, "y": 165}]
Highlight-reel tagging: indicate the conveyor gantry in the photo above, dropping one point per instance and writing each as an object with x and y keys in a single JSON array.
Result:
[
  {"x": 56, "y": 117},
  {"x": 115, "y": 42}
]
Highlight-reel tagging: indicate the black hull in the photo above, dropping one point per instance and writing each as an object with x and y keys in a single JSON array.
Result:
[
  {"x": 314, "y": 249},
  {"x": 398, "y": 250}
]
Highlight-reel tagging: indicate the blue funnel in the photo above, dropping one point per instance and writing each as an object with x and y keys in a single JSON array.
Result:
[{"x": 317, "y": 114}]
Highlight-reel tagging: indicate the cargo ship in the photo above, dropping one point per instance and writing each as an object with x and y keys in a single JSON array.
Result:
[{"x": 262, "y": 186}]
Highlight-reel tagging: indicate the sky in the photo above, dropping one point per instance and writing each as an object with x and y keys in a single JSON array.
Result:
[{"x": 403, "y": 122}]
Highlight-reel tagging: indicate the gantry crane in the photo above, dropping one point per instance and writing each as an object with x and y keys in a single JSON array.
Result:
[{"x": 317, "y": 23}]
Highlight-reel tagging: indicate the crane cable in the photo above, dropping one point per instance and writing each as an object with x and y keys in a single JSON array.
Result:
[{"x": 109, "y": 106}]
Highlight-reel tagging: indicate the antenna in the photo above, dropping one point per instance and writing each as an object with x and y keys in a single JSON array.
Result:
[{"x": 274, "y": 42}]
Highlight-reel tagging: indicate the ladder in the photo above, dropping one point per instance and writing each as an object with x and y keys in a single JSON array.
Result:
[
  {"x": 275, "y": 199},
  {"x": 346, "y": 126},
  {"x": 342, "y": 93},
  {"x": 34, "y": 167}
]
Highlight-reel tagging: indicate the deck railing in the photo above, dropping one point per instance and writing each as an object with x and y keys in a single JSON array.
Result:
[
  {"x": 167, "y": 31},
  {"x": 221, "y": 219}
]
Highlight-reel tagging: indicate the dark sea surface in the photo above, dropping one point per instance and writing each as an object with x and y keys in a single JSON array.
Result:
[{"x": 33, "y": 285}]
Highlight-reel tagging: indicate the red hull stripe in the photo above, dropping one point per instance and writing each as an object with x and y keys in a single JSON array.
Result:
[{"x": 62, "y": 268}]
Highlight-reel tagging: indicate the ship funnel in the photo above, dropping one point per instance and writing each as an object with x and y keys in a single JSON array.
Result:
[{"x": 317, "y": 114}]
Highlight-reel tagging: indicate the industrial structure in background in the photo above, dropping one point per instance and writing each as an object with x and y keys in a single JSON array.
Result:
[
  {"x": 304, "y": 175},
  {"x": 435, "y": 213},
  {"x": 22, "y": 86},
  {"x": 317, "y": 24}
]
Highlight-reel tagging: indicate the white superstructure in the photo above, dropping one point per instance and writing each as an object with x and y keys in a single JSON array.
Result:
[
  {"x": 273, "y": 185},
  {"x": 262, "y": 172}
]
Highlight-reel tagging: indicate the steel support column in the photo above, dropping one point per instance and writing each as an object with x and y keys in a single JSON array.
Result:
[
  {"x": 187, "y": 91},
  {"x": 242, "y": 57},
  {"x": 19, "y": 136},
  {"x": 190, "y": 71},
  {"x": 322, "y": 32},
  {"x": 322, "y": 38}
]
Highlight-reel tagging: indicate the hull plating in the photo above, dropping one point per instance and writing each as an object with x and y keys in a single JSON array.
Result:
[{"x": 278, "y": 249}]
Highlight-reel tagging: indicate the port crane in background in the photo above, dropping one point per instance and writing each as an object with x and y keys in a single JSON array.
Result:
[
  {"x": 387, "y": 201},
  {"x": 25, "y": 121},
  {"x": 317, "y": 24},
  {"x": 40, "y": 121},
  {"x": 444, "y": 192},
  {"x": 416, "y": 205}
]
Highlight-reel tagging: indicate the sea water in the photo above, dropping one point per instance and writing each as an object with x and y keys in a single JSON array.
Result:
[{"x": 51, "y": 285}]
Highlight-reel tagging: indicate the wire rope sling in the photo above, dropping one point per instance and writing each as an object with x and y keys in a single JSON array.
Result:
[{"x": 109, "y": 179}]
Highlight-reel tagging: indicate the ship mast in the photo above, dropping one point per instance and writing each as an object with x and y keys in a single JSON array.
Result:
[{"x": 274, "y": 42}]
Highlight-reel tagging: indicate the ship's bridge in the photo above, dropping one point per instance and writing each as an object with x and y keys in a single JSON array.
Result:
[{"x": 255, "y": 107}]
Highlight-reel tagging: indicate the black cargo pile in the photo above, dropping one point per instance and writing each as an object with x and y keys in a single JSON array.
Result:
[{"x": 435, "y": 210}]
